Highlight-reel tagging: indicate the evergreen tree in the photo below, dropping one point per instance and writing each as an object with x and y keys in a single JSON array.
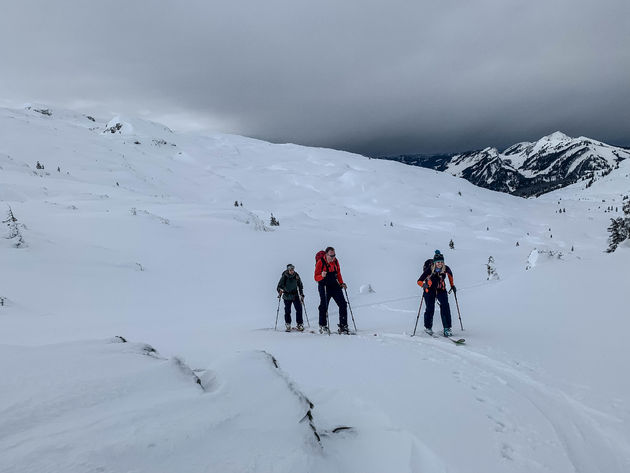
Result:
[
  {"x": 492, "y": 270},
  {"x": 451, "y": 245},
  {"x": 274, "y": 221},
  {"x": 619, "y": 229},
  {"x": 14, "y": 230}
]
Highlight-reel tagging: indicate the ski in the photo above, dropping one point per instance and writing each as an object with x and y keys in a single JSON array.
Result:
[{"x": 456, "y": 341}]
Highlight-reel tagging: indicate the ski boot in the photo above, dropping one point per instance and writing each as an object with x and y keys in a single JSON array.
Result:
[
  {"x": 343, "y": 330},
  {"x": 428, "y": 331},
  {"x": 300, "y": 327},
  {"x": 288, "y": 327},
  {"x": 323, "y": 329},
  {"x": 447, "y": 332}
]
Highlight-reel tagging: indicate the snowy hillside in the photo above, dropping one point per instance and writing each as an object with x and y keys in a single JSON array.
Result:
[
  {"x": 131, "y": 230},
  {"x": 529, "y": 169}
]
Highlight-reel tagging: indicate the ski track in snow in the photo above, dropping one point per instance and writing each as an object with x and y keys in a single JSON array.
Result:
[{"x": 587, "y": 446}]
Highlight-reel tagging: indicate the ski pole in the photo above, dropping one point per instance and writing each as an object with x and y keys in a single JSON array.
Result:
[
  {"x": 304, "y": 307},
  {"x": 278, "y": 311},
  {"x": 348, "y": 299},
  {"x": 458, "y": 313},
  {"x": 419, "y": 310}
]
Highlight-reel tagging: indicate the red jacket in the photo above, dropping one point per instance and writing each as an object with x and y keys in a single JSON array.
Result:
[{"x": 322, "y": 265}]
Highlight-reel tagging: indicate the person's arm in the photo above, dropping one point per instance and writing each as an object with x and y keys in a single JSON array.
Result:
[
  {"x": 449, "y": 273},
  {"x": 281, "y": 284},
  {"x": 423, "y": 277},
  {"x": 339, "y": 278},
  {"x": 299, "y": 283}
]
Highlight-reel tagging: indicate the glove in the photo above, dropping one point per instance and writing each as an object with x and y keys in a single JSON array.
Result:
[
  {"x": 343, "y": 286},
  {"x": 454, "y": 289}
]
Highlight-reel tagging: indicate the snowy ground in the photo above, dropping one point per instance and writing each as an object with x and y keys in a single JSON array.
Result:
[{"x": 137, "y": 236}]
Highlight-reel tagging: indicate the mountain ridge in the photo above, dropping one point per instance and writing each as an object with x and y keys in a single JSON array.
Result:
[{"x": 528, "y": 169}]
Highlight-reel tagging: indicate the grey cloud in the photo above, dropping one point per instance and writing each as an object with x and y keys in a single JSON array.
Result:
[{"x": 373, "y": 77}]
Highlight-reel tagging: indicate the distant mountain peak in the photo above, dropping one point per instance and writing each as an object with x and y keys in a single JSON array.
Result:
[
  {"x": 531, "y": 168},
  {"x": 556, "y": 136}
]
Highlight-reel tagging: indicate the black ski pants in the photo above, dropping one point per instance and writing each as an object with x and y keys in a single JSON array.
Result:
[
  {"x": 298, "y": 311},
  {"x": 326, "y": 292},
  {"x": 445, "y": 309}
]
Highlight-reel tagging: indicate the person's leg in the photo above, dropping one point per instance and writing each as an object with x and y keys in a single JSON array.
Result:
[
  {"x": 287, "y": 312},
  {"x": 323, "y": 304},
  {"x": 337, "y": 295},
  {"x": 429, "y": 299},
  {"x": 298, "y": 311},
  {"x": 445, "y": 309}
]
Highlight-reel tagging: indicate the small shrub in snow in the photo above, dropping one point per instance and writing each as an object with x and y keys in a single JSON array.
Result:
[
  {"x": 274, "y": 222},
  {"x": 366, "y": 289},
  {"x": 114, "y": 128},
  {"x": 451, "y": 244}
]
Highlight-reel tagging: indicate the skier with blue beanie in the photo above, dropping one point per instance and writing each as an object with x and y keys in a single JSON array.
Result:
[{"x": 433, "y": 282}]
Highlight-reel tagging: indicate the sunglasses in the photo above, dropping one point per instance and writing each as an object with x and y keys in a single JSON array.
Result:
[{"x": 332, "y": 256}]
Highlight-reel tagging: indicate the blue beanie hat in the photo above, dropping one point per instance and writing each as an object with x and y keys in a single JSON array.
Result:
[{"x": 438, "y": 256}]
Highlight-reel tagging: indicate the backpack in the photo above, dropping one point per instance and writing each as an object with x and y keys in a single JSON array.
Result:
[
  {"x": 321, "y": 255},
  {"x": 427, "y": 266}
]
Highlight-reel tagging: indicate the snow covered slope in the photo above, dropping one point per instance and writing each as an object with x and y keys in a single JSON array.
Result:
[{"x": 132, "y": 230}]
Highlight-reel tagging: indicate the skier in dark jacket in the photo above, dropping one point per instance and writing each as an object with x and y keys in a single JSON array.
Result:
[
  {"x": 292, "y": 291},
  {"x": 329, "y": 284},
  {"x": 433, "y": 282}
]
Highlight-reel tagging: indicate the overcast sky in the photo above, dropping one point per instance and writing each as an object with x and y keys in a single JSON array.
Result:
[{"x": 374, "y": 77}]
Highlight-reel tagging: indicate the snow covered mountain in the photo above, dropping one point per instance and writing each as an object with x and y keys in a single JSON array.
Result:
[
  {"x": 528, "y": 169},
  {"x": 138, "y": 305}
]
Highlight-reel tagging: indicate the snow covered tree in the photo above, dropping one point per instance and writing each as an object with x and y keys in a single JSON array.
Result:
[
  {"x": 235, "y": 203},
  {"x": 14, "y": 230},
  {"x": 492, "y": 270},
  {"x": 451, "y": 245},
  {"x": 274, "y": 221}
]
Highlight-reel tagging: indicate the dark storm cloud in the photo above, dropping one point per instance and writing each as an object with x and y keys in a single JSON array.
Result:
[{"x": 373, "y": 77}]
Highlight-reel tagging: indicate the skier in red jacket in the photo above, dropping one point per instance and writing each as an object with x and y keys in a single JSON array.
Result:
[{"x": 330, "y": 283}]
